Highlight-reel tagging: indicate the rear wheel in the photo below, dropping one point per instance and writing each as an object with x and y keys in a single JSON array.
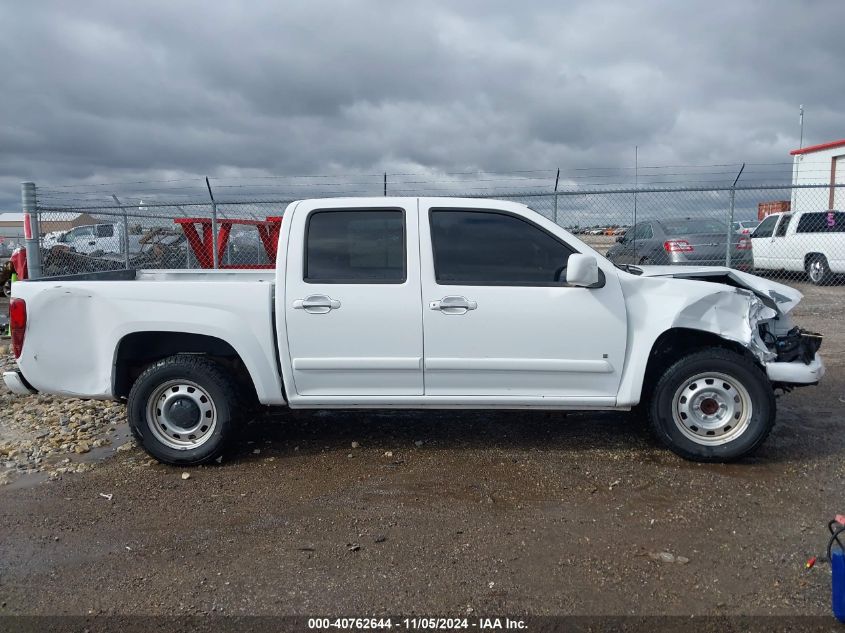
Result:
[
  {"x": 182, "y": 409},
  {"x": 818, "y": 270},
  {"x": 712, "y": 406}
]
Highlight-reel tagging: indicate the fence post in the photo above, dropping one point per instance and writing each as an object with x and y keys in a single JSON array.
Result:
[
  {"x": 125, "y": 230},
  {"x": 214, "y": 255},
  {"x": 32, "y": 229},
  {"x": 557, "y": 180},
  {"x": 729, "y": 231},
  {"x": 385, "y": 184}
]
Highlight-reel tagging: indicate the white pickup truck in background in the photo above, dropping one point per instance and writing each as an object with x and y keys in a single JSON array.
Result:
[
  {"x": 418, "y": 303},
  {"x": 804, "y": 241}
]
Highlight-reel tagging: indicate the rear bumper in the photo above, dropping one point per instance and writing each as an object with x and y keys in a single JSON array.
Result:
[
  {"x": 16, "y": 383},
  {"x": 796, "y": 372},
  {"x": 740, "y": 262}
]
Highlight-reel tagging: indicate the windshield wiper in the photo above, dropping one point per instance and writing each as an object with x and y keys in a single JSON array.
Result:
[{"x": 628, "y": 268}]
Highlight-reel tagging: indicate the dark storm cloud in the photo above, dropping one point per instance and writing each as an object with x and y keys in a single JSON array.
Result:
[{"x": 103, "y": 91}]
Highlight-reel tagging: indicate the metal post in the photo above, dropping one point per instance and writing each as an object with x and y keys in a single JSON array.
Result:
[
  {"x": 125, "y": 231},
  {"x": 636, "y": 186},
  {"x": 187, "y": 246},
  {"x": 557, "y": 180},
  {"x": 32, "y": 230},
  {"x": 731, "y": 219},
  {"x": 214, "y": 257},
  {"x": 385, "y": 184}
]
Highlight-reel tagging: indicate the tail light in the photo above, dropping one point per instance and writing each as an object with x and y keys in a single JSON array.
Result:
[
  {"x": 677, "y": 246},
  {"x": 17, "y": 324},
  {"x": 744, "y": 244}
]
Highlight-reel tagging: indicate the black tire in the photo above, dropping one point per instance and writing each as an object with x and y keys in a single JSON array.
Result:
[
  {"x": 740, "y": 387},
  {"x": 195, "y": 385},
  {"x": 818, "y": 270}
]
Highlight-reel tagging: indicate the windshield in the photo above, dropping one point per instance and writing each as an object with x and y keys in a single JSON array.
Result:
[{"x": 692, "y": 227}]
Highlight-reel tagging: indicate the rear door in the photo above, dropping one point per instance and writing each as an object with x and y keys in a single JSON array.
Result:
[
  {"x": 352, "y": 300},
  {"x": 500, "y": 323}
]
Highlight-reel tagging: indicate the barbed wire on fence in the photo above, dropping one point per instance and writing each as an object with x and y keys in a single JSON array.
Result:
[{"x": 708, "y": 218}]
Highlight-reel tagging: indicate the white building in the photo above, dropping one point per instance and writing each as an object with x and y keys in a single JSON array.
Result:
[{"x": 819, "y": 165}]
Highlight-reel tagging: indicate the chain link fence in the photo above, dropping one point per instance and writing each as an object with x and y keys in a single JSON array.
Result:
[{"x": 793, "y": 233}]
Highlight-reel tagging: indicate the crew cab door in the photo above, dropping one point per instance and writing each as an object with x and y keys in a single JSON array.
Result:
[
  {"x": 500, "y": 323},
  {"x": 352, "y": 300}
]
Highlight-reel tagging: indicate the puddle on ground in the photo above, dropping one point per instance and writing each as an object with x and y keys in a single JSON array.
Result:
[{"x": 117, "y": 435}]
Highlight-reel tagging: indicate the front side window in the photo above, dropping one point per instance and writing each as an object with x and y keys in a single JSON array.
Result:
[
  {"x": 355, "y": 247},
  {"x": 784, "y": 224},
  {"x": 766, "y": 227},
  {"x": 105, "y": 230},
  {"x": 489, "y": 248}
]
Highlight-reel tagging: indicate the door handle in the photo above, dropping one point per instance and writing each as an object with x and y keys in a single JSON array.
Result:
[
  {"x": 453, "y": 305},
  {"x": 316, "y": 304}
]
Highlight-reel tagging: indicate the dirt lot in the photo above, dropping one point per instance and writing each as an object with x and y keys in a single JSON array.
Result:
[{"x": 440, "y": 513}]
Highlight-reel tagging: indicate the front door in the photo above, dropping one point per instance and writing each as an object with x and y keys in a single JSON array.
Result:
[
  {"x": 352, "y": 300},
  {"x": 500, "y": 323},
  {"x": 761, "y": 242}
]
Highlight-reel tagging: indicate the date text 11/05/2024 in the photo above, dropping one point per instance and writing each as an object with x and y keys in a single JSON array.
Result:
[{"x": 425, "y": 623}]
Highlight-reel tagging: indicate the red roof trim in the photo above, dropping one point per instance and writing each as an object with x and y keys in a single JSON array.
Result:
[{"x": 818, "y": 148}]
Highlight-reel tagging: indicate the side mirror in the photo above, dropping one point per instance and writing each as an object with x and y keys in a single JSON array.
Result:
[{"x": 582, "y": 270}]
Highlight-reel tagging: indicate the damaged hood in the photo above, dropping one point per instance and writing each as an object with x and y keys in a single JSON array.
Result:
[{"x": 777, "y": 296}]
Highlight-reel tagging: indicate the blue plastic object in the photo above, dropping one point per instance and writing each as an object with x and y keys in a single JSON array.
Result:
[{"x": 837, "y": 565}]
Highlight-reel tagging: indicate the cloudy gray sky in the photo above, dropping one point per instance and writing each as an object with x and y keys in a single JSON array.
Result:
[{"x": 105, "y": 91}]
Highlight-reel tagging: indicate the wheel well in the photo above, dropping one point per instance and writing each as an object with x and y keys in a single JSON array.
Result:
[
  {"x": 139, "y": 350},
  {"x": 676, "y": 343},
  {"x": 810, "y": 256}
]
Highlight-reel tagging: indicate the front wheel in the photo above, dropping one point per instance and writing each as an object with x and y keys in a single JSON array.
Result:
[
  {"x": 713, "y": 406},
  {"x": 181, "y": 409}
]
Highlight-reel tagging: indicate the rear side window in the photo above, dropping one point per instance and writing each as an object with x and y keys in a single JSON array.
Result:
[
  {"x": 643, "y": 232},
  {"x": 824, "y": 222},
  {"x": 489, "y": 248},
  {"x": 355, "y": 247}
]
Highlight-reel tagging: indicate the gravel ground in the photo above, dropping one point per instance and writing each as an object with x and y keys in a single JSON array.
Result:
[{"x": 357, "y": 513}]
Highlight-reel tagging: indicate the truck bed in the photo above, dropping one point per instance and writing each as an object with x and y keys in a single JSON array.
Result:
[{"x": 78, "y": 323}]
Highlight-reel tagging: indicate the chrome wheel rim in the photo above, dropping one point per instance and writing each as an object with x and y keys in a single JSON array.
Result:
[
  {"x": 816, "y": 270},
  {"x": 181, "y": 415},
  {"x": 712, "y": 408}
]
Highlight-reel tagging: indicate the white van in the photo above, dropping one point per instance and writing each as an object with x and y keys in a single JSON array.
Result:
[{"x": 804, "y": 241}]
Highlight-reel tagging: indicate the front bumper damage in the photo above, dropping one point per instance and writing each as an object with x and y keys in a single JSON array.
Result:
[
  {"x": 797, "y": 361},
  {"x": 796, "y": 373}
]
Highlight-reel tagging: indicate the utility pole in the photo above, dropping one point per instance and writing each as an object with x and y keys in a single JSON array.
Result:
[{"x": 801, "y": 126}]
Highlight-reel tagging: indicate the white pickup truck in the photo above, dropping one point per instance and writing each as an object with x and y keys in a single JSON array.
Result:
[
  {"x": 808, "y": 241},
  {"x": 418, "y": 303}
]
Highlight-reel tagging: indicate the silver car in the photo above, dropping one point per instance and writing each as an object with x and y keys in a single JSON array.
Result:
[{"x": 692, "y": 242}]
